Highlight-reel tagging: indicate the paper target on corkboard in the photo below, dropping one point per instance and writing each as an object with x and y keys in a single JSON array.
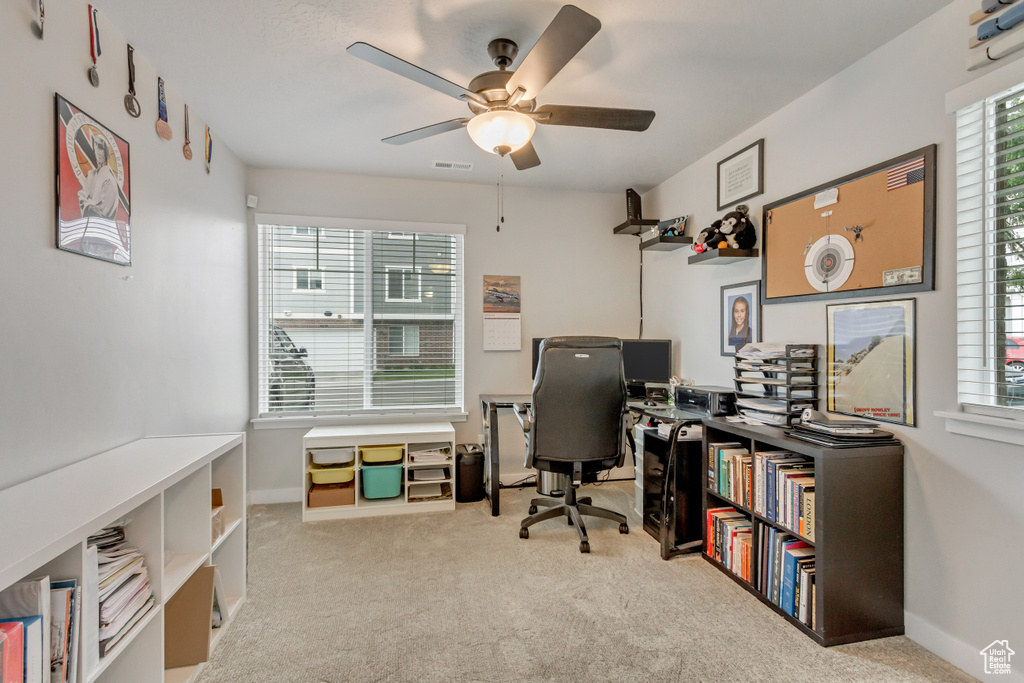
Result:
[
  {"x": 867, "y": 233},
  {"x": 829, "y": 263}
]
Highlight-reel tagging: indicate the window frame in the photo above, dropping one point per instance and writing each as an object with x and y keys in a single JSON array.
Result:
[
  {"x": 309, "y": 271},
  {"x": 448, "y": 406}
]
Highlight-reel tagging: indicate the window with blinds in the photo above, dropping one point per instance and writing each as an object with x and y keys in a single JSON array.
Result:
[
  {"x": 990, "y": 254},
  {"x": 357, "y": 319}
]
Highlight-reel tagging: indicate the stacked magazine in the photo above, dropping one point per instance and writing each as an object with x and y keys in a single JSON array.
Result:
[{"x": 125, "y": 595}]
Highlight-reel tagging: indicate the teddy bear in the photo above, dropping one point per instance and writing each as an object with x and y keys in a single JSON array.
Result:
[{"x": 733, "y": 230}]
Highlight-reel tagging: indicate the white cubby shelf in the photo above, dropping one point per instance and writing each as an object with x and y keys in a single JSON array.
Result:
[{"x": 159, "y": 488}]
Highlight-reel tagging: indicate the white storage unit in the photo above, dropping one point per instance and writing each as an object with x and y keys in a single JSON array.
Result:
[
  {"x": 638, "y": 469},
  {"x": 411, "y": 438},
  {"x": 160, "y": 489}
]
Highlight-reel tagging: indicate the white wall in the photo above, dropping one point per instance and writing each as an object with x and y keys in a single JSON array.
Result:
[
  {"x": 577, "y": 277},
  {"x": 963, "y": 504},
  {"x": 93, "y": 355}
]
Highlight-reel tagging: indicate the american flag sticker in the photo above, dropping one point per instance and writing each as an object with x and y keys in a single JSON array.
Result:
[{"x": 907, "y": 173}]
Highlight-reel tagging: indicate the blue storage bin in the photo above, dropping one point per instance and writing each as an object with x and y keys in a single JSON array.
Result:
[{"x": 382, "y": 481}]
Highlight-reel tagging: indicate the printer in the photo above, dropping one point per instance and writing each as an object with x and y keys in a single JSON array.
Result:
[{"x": 711, "y": 401}]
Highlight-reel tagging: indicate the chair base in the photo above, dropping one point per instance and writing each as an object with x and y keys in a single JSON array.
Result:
[{"x": 573, "y": 510}]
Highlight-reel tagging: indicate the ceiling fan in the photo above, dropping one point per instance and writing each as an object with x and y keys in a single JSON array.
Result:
[{"x": 503, "y": 103}]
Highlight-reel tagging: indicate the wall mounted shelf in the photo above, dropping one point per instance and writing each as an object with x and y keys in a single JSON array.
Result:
[
  {"x": 720, "y": 256},
  {"x": 635, "y": 226},
  {"x": 661, "y": 243}
]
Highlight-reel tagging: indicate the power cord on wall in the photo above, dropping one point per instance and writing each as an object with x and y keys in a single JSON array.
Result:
[{"x": 639, "y": 245}]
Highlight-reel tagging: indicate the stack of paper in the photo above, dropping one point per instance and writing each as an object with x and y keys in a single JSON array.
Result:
[
  {"x": 430, "y": 454},
  {"x": 125, "y": 595}
]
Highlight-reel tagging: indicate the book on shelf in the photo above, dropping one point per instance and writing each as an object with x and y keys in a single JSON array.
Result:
[
  {"x": 62, "y": 612},
  {"x": 713, "y": 455},
  {"x": 12, "y": 652},
  {"x": 29, "y": 602},
  {"x": 789, "y": 576},
  {"x": 808, "y": 529},
  {"x": 805, "y": 603},
  {"x": 772, "y": 466}
]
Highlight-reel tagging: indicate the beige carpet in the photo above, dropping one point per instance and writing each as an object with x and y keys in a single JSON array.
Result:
[{"x": 458, "y": 596}]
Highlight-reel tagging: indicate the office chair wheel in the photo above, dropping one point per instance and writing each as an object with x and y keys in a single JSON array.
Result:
[
  {"x": 584, "y": 547},
  {"x": 533, "y": 509},
  {"x": 524, "y": 532},
  {"x": 623, "y": 528}
]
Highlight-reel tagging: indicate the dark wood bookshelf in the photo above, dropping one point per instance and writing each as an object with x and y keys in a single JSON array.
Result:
[
  {"x": 662, "y": 243},
  {"x": 635, "y": 226},
  {"x": 858, "y": 532},
  {"x": 720, "y": 256}
]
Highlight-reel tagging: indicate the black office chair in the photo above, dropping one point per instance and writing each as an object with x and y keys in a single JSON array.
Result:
[{"x": 576, "y": 424}]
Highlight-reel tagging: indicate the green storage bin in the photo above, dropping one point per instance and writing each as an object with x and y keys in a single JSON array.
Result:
[{"x": 382, "y": 481}]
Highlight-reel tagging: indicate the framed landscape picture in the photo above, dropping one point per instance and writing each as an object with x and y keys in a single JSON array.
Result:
[
  {"x": 871, "y": 360},
  {"x": 740, "y": 315},
  {"x": 93, "y": 187}
]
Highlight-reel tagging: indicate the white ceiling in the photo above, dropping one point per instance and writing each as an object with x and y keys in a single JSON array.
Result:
[{"x": 274, "y": 82}]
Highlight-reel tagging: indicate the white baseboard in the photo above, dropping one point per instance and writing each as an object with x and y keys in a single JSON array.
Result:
[
  {"x": 268, "y": 496},
  {"x": 955, "y": 651}
]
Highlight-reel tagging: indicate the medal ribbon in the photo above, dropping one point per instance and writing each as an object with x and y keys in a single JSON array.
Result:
[
  {"x": 186, "y": 125},
  {"x": 94, "y": 35},
  {"x": 163, "y": 100},
  {"x": 131, "y": 70},
  {"x": 209, "y": 147}
]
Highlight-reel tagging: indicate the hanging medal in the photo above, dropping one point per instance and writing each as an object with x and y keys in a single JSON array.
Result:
[
  {"x": 209, "y": 149},
  {"x": 94, "y": 46},
  {"x": 186, "y": 150},
  {"x": 163, "y": 129},
  {"x": 131, "y": 103},
  {"x": 42, "y": 19}
]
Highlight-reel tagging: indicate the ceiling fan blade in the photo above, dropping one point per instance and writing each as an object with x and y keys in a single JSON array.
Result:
[
  {"x": 388, "y": 61},
  {"x": 525, "y": 157},
  {"x": 565, "y": 36},
  {"x": 594, "y": 117},
  {"x": 426, "y": 131}
]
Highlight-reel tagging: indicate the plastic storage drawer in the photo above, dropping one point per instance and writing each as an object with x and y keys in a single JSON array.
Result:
[
  {"x": 382, "y": 481},
  {"x": 387, "y": 454},
  {"x": 331, "y": 475},
  {"x": 332, "y": 456}
]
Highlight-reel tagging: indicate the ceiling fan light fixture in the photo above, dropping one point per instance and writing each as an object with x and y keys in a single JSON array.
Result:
[{"x": 501, "y": 128}]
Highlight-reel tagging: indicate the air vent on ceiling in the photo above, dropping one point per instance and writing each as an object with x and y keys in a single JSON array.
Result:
[{"x": 454, "y": 165}]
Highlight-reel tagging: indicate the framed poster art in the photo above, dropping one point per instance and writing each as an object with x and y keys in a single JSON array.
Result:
[
  {"x": 740, "y": 316},
  {"x": 93, "y": 187},
  {"x": 741, "y": 176},
  {"x": 870, "y": 232},
  {"x": 872, "y": 360}
]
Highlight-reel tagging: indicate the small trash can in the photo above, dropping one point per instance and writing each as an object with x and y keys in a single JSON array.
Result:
[
  {"x": 469, "y": 473},
  {"x": 550, "y": 483}
]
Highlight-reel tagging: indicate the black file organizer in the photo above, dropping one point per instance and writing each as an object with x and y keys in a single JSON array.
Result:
[{"x": 793, "y": 366}]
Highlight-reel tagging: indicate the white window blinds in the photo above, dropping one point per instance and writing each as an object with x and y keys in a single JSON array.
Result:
[
  {"x": 355, "y": 318},
  {"x": 990, "y": 254}
]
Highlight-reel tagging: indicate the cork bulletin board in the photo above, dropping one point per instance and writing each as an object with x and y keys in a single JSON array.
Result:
[{"x": 871, "y": 232}]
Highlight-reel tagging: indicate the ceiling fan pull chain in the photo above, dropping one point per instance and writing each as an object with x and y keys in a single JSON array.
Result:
[{"x": 500, "y": 208}]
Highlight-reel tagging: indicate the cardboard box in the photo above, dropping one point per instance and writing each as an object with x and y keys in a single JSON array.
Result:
[
  {"x": 217, "y": 514},
  {"x": 330, "y": 495},
  {"x": 187, "y": 621}
]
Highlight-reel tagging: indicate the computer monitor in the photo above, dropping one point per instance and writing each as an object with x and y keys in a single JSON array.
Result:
[{"x": 643, "y": 360}]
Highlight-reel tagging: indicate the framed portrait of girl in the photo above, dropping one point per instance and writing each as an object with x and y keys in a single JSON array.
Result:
[{"x": 741, "y": 315}]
